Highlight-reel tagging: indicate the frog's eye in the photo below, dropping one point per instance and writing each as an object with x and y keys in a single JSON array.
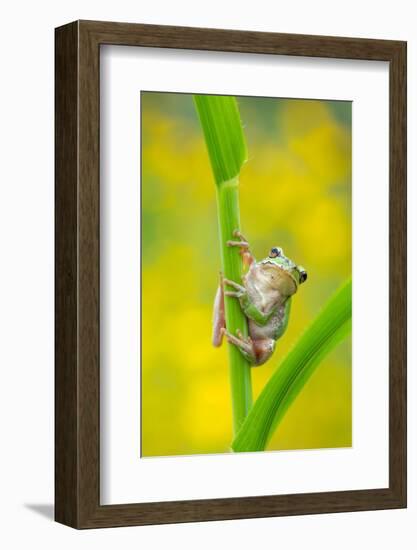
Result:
[
  {"x": 303, "y": 274},
  {"x": 275, "y": 252}
]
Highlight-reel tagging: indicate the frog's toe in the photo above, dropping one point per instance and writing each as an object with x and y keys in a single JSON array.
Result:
[
  {"x": 237, "y": 233},
  {"x": 232, "y": 294},
  {"x": 241, "y": 244},
  {"x": 246, "y": 339},
  {"x": 245, "y": 347},
  {"x": 233, "y": 284}
]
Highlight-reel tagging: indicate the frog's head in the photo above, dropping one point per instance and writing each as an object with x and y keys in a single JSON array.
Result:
[{"x": 283, "y": 274}]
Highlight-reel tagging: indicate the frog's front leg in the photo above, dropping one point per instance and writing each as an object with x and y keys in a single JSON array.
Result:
[
  {"x": 248, "y": 307},
  {"x": 257, "y": 352},
  {"x": 238, "y": 291},
  {"x": 243, "y": 244}
]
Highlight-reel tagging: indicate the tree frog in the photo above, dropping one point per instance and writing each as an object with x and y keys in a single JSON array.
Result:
[{"x": 265, "y": 299}]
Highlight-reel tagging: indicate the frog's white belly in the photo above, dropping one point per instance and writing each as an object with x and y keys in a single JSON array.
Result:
[
  {"x": 265, "y": 304},
  {"x": 264, "y": 300},
  {"x": 270, "y": 330}
]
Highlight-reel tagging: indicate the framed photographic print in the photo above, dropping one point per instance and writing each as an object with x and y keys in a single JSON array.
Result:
[{"x": 230, "y": 274}]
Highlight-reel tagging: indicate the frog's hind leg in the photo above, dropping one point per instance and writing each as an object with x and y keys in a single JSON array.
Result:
[
  {"x": 244, "y": 345},
  {"x": 219, "y": 322},
  {"x": 257, "y": 352}
]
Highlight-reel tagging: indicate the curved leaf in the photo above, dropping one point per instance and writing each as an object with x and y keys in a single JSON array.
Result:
[{"x": 330, "y": 326}]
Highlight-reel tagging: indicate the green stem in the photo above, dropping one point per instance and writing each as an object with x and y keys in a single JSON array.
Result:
[{"x": 240, "y": 375}]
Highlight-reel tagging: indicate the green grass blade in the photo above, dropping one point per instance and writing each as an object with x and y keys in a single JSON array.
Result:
[
  {"x": 222, "y": 128},
  {"x": 330, "y": 326},
  {"x": 225, "y": 140}
]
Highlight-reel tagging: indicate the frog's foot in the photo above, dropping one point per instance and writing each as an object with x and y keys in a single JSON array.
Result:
[
  {"x": 257, "y": 352},
  {"x": 239, "y": 289},
  {"x": 243, "y": 244},
  {"x": 248, "y": 339},
  {"x": 244, "y": 345}
]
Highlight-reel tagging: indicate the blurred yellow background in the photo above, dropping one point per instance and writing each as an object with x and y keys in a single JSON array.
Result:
[{"x": 295, "y": 192}]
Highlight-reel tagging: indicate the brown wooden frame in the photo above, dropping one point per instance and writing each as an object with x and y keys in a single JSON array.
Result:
[{"x": 77, "y": 404}]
